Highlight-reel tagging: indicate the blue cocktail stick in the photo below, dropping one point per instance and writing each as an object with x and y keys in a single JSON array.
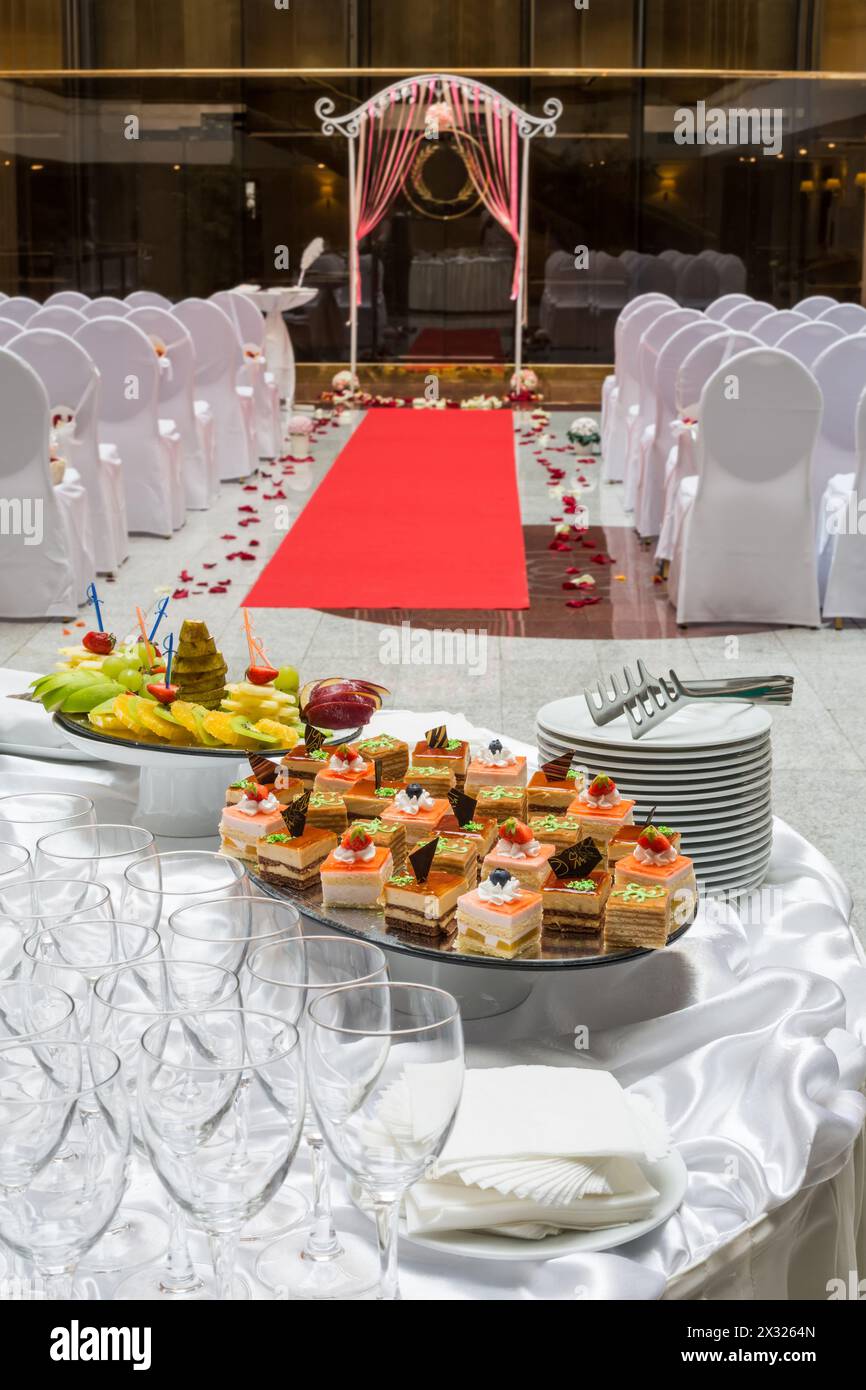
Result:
[
  {"x": 160, "y": 614},
  {"x": 93, "y": 597},
  {"x": 169, "y": 657}
]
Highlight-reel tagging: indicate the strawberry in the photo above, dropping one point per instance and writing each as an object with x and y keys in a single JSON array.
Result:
[
  {"x": 602, "y": 785},
  {"x": 346, "y": 753},
  {"x": 653, "y": 840},
  {"x": 165, "y": 694},
  {"x": 356, "y": 838},
  {"x": 515, "y": 831},
  {"x": 261, "y": 675},
  {"x": 100, "y": 643}
]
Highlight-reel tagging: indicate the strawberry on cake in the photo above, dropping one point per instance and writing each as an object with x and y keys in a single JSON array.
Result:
[
  {"x": 655, "y": 860},
  {"x": 518, "y": 851},
  {"x": 601, "y": 810},
  {"x": 256, "y": 815},
  {"x": 355, "y": 873},
  {"x": 499, "y": 918},
  {"x": 345, "y": 767},
  {"x": 495, "y": 766}
]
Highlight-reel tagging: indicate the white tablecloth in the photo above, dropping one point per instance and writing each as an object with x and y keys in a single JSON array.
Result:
[
  {"x": 460, "y": 283},
  {"x": 749, "y": 1035}
]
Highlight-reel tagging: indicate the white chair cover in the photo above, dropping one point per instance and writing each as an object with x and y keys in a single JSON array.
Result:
[
  {"x": 218, "y": 360},
  {"x": 71, "y": 379},
  {"x": 609, "y": 385},
  {"x": 732, "y": 274},
  {"x": 851, "y": 318},
  {"x": 147, "y": 299},
  {"x": 840, "y": 371},
  {"x": 37, "y": 571},
  {"x": 808, "y": 340},
  {"x": 628, "y": 383},
  {"x": 642, "y": 422},
  {"x": 743, "y": 317},
  {"x": 19, "y": 309},
  {"x": 177, "y": 402},
  {"x": 129, "y": 419},
  {"x": 724, "y": 304},
  {"x": 842, "y": 535},
  {"x": 59, "y": 317},
  {"x": 73, "y": 299},
  {"x": 8, "y": 329},
  {"x": 814, "y": 305},
  {"x": 697, "y": 282},
  {"x": 651, "y": 273},
  {"x": 650, "y": 495},
  {"x": 106, "y": 306},
  {"x": 249, "y": 324},
  {"x": 747, "y": 553},
  {"x": 770, "y": 329}
]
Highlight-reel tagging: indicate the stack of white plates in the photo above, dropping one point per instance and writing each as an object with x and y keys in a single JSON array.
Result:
[{"x": 706, "y": 770}]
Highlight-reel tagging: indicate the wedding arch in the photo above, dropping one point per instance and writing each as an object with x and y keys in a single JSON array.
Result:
[{"x": 492, "y": 135}]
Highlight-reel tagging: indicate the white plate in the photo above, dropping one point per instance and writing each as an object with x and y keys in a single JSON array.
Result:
[
  {"x": 694, "y": 791},
  {"x": 700, "y": 726},
  {"x": 706, "y": 778},
  {"x": 669, "y": 1176},
  {"x": 601, "y": 754}
]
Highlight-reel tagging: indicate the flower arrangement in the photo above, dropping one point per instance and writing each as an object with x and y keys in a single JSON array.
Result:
[{"x": 584, "y": 434}]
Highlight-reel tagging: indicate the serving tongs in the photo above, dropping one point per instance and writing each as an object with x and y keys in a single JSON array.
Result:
[{"x": 650, "y": 700}]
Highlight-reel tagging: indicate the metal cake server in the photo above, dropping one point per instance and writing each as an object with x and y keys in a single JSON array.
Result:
[{"x": 649, "y": 700}]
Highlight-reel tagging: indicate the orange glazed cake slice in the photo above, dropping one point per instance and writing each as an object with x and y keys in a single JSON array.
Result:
[
  {"x": 519, "y": 853},
  {"x": 391, "y": 837},
  {"x": 494, "y": 765},
  {"x": 499, "y": 918},
  {"x": 655, "y": 860},
  {"x": 243, "y": 825},
  {"x": 636, "y": 917},
  {"x": 355, "y": 873},
  {"x": 289, "y": 861},
  {"x": 546, "y": 793},
  {"x": 345, "y": 767},
  {"x": 624, "y": 841},
  {"x": 576, "y": 905},
  {"x": 426, "y": 909},
  {"x": 304, "y": 763},
  {"x": 601, "y": 809},
  {"x": 365, "y": 799},
  {"x": 452, "y": 752},
  {"x": 417, "y": 811}
]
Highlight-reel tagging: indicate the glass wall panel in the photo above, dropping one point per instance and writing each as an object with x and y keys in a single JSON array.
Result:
[
  {"x": 841, "y": 45},
  {"x": 721, "y": 33},
  {"x": 446, "y": 33},
  {"x": 598, "y": 36}
]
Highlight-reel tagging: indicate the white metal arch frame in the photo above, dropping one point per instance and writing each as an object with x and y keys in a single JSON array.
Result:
[{"x": 528, "y": 127}]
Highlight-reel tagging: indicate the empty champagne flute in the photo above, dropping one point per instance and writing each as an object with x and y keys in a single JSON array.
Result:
[
  {"x": 29, "y": 1010},
  {"x": 190, "y": 1070},
  {"x": 73, "y": 956},
  {"x": 60, "y": 1095},
  {"x": 156, "y": 887},
  {"x": 281, "y": 979},
  {"x": 385, "y": 1070},
  {"x": 15, "y": 865},
  {"x": 222, "y": 932},
  {"x": 32, "y": 905},
  {"x": 26, "y": 816},
  {"x": 125, "y": 1003},
  {"x": 100, "y": 853}
]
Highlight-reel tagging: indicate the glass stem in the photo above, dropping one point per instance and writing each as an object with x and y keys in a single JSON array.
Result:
[
  {"x": 57, "y": 1284},
  {"x": 222, "y": 1251},
  {"x": 179, "y": 1273},
  {"x": 387, "y": 1229},
  {"x": 322, "y": 1242}
]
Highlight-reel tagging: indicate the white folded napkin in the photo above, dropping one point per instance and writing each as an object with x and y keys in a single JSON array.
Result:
[{"x": 22, "y": 723}]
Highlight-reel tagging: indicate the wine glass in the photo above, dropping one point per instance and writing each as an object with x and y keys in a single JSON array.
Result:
[
  {"x": 281, "y": 978},
  {"x": 35, "y": 904},
  {"x": 125, "y": 1002},
  {"x": 100, "y": 853},
  {"x": 29, "y": 1010},
  {"x": 73, "y": 956},
  {"x": 222, "y": 1169},
  {"x": 57, "y": 1095},
  {"x": 385, "y": 1070},
  {"x": 15, "y": 865},
  {"x": 26, "y": 816},
  {"x": 163, "y": 883},
  {"x": 221, "y": 932}
]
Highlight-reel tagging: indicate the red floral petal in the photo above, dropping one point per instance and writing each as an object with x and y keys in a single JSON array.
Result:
[{"x": 181, "y": 593}]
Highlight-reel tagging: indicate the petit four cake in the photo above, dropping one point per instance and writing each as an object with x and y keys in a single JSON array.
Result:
[
  {"x": 285, "y": 789},
  {"x": 328, "y": 811},
  {"x": 364, "y": 799},
  {"x": 575, "y": 904},
  {"x": 344, "y": 768},
  {"x": 548, "y": 791},
  {"x": 438, "y": 781},
  {"x": 355, "y": 873},
  {"x": 520, "y": 854},
  {"x": 655, "y": 860},
  {"x": 425, "y": 909},
  {"x": 555, "y": 829},
  {"x": 625, "y": 839},
  {"x": 636, "y": 916},
  {"x": 304, "y": 763},
  {"x": 483, "y": 833},
  {"x": 498, "y": 802},
  {"x": 495, "y": 766},
  {"x": 392, "y": 837},
  {"x": 457, "y": 854},
  {"x": 241, "y": 826},
  {"x": 443, "y": 752},
  {"x": 499, "y": 918},
  {"x": 602, "y": 810},
  {"x": 289, "y": 861},
  {"x": 390, "y": 755},
  {"x": 417, "y": 811}
]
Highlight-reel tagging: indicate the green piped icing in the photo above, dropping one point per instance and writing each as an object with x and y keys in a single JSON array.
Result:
[
  {"x": 580, "y": 885},
  {"x": 244, "y": 785},
  {"x": 320, "y": 755},
  {"x": 498, "y": 793},
  {"x": 473, "y": 825},
  {"x": 277, "y": 839},
  {"x": 378, "y": 744},
  {"x": 636, "y": 893},
  {"x": 386, "y": 791},
  {"x": 415, "y": 772},
  {"x": 401, "y": 880},
  {"x": 371, "y": 826},
  {"x": 550, "y": 822}
]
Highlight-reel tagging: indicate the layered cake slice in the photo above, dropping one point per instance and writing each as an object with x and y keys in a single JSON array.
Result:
[
  {"x": 602, "y": 811},
  {"x": 575, "y": 906},
  {"x": 499, "y": 918},
  {"x": 390, "y": 755},
  {"x": 305, "y": 764},
  {"x": 355, "y": 873},
  {"x": 636, "y": 916},
  {"x": 286, "y": 790},
  {"x": 289, "y": 861},
  {"x": 655, "y": 860},
  {"x": 483, "y": 834},
  {"x": 425, "y": 909},
  {"x": 247, "y": 822},
  {"x": 344, "y": 768},
  {"x": 520, "y": 854},
  {"x": 417, "y": 811},
  {"x": 392, "y": 837},
  {"x": 495, "y": 766},
  {"x": 365, "y": 799},
  {"x": 555, "y": 829},
  {"x": 497, "y": 803},
  {"x": 624, "y": 841},
  {"x": 547, "y": 793},
  {"x": 327, "y": 811},
  {"x": 447, "y": 752},
  {"x": 438, "y": 781},
  {"x": 457, "y": 854}
]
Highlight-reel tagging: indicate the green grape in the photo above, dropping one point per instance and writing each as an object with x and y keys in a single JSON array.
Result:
[
  {"x": 113, "y": 665},
  {"x": 129, "y": 679}
]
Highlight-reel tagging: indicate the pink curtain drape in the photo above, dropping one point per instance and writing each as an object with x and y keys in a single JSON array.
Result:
[
  {"x": 387, "y": 145},
  {"x": 491, "y": 156}
]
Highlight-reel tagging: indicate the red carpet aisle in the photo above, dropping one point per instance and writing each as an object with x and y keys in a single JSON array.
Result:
[{"x": 420, "y": 510}]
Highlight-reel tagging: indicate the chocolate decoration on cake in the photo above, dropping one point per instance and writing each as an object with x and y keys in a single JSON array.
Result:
[
  {"x": 650, "y": 816},
  {"x": 557, "y": 769},
  {"x": 313, "y": 738},
  {"x": 295, "y": 815},
  {"x": 438, "y": 737},
  {"x": 422, "y": 859},
  {"x": 577, "y": 861},
  {"x": 264, "y": 771},
  {"x": 462, "y": 805},
  {"x": 377, "y": 772}
]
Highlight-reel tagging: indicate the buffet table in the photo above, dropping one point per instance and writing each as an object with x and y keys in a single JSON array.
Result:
[{"x": 748, "y": 1034}]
